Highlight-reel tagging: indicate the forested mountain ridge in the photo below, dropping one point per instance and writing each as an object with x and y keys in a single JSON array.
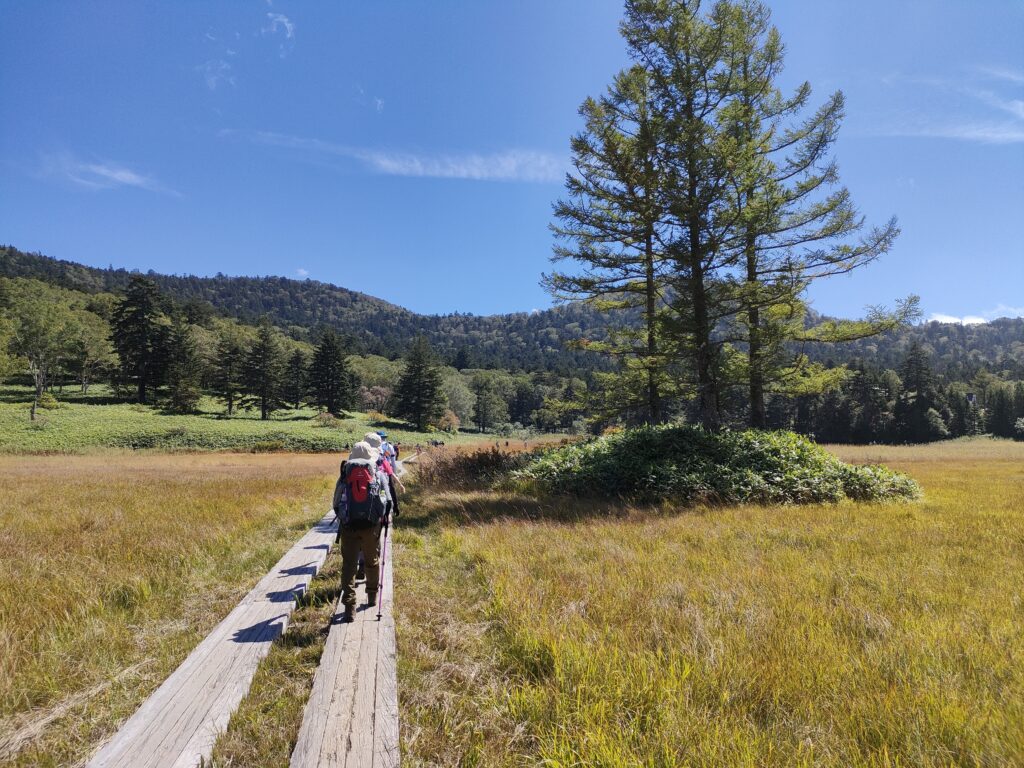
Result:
[{"x": 518, "y": 341}]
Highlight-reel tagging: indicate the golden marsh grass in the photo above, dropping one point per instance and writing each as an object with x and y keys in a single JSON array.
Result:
[
  {"x": 121, "y": 562},
  {"x": 874, "y": 635}
]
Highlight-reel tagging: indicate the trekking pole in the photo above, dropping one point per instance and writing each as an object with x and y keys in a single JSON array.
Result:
[{"x": 383, "y": 558}]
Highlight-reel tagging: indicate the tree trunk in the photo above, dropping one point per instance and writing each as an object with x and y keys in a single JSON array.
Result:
[
  {"x": 758, "y": 414},
  {"x": 653, "y": 395},
  {"x": 707, "y": 396}
]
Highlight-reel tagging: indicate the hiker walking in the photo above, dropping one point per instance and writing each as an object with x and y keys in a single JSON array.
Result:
[
  {"x": 361, "y": 501},
  {"x": 387, "y": 464}
]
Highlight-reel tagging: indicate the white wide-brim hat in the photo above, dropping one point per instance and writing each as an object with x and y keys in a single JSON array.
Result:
[
  {"x": 373, "y": 439},
  {"x": 363, "y": 453}
]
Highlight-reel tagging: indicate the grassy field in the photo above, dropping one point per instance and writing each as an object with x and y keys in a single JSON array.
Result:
[
  {"x": 873, "y": 635},
  {"x": 84, "y": 424},
  {"x": 538, "y": 632},
  {"x": 112, "y": 568}
]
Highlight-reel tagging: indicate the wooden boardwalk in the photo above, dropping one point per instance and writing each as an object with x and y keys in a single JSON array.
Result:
[
  {"x": 351, "y": 718},
  {"x": 177, "y": 726}
]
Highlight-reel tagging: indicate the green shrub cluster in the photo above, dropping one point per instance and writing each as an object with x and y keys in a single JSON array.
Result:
[{"x": 689, "y": 464}]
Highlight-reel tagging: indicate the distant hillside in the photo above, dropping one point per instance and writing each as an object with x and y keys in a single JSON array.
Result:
[
  {"x": 520, "y": 341},
  {"x": 957, "y": 352}
]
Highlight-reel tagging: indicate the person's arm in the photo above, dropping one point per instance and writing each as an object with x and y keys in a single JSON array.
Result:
[{"x": 338, "y": 504}]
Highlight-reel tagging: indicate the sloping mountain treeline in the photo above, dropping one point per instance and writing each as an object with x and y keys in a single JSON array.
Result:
[{"x": 518, "y": 342}]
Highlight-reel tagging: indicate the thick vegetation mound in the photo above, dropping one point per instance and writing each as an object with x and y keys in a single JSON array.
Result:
[{"x": 690, "y": 464}]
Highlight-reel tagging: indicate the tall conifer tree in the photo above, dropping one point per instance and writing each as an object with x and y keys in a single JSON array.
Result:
[
  {"x": 794, "y": 225},
  {"x": 263, "y": 372},
  {"x": 419, "y": 396},
  {"x": 228, "y": 381},
  {"x": 296, "y": 379},
  {"x": 331, "y": 384},
  {"x": 611, "y": 225},
  {"x": 184, "y": 368},
  {"x": 139, "y": 334}
]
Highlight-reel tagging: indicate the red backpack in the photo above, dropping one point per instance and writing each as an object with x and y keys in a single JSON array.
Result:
[{"x": 364, "y": 496}]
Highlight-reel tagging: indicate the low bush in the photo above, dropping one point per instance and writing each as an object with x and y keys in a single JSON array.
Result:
[
  {"x": 688, "y": 464},
  {"x": 326, "y": 421},
  {"x": 470, "y": 469},
  {"x": 48, "y": 402}
]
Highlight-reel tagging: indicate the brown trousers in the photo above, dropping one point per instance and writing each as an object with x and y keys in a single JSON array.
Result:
[{"x": 354, "y": 541}]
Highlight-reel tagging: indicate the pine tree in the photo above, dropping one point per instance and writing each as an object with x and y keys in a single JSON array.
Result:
[
  {"x": 419, "y": 397},
  {"x": 139, "y": 335},
  {"x": 1002, "y": 421},
  {"x": 295, "y": 379},
  {"x": 916, "y": 415},
  {"x": 612, "y": 220},
  {"x": 228, "y": 382},
  {"x": 184, "y": 368},
  {"x": 331, "y": 383},
  {"x": 794, "y": 226},
  {"x": 490, "y": 407},
  {"x": 263, "y": 372}
]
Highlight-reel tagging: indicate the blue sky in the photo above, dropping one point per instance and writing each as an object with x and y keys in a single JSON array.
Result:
[{"x": 412, "y": 150}]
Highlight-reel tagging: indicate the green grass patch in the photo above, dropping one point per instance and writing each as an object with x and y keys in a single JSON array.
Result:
[{"x": 79, "y": 424}]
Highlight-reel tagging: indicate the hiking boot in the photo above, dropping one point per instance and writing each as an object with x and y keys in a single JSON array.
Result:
[
  {"x": 371, "y": 599},
  {"x": 361, "y": 573},
  {"x": 349, "y": 615}
]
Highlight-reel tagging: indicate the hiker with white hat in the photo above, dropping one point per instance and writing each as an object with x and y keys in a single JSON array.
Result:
[
  {"x": 386, "y": 463},
  {"x": 361, "y": 501}
]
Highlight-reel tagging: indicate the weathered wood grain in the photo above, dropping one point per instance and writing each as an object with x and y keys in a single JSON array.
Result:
[
  {"x": 351, "y": 718},
  {"x": 178, "y": 724}
]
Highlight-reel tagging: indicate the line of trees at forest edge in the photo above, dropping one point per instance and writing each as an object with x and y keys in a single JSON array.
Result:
[
  {"x": 164, "y": 354},
  {"x": 56, "y": 335}
]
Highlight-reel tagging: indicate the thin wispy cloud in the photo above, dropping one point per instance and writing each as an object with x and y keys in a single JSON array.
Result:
[
  {"x": 984, "y": 106},
  {"x": 278, "y": 23},
  {"x": 301, "y": 272},
  {"x": 1001, "y": 73},
  {"x": 216, "y": 73},
  {"x": 507, "y": 165},
  {"x": 99, "y": 174}
]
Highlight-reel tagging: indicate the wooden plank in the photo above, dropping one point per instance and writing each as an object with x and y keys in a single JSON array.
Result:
[
  {"x": 351, "y": 718},
  {"x": 178, "y": 724},
  {"x": 385, "y": 723},
  {"x": 359, "y": 751}
]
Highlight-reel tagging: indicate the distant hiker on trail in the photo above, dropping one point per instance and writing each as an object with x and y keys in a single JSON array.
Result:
[
  {"x": 361, "y": 502},
  {"x": 388, "y": 450},
  {"x": 389, "y": 468}
]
